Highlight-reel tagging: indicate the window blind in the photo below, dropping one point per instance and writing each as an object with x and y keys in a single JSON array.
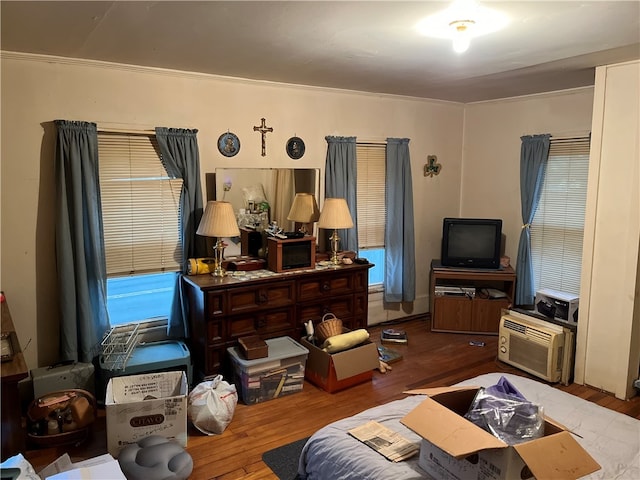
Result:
[
  {"x": 140, "y": 206},
  {"x": 371, "y": 194},
  {"x": 558, "y": 225}
]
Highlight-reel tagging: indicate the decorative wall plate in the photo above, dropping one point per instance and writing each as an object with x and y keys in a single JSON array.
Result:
[
  {"x": 295, "y": 148},
  {"x": 228, "y": 144}
]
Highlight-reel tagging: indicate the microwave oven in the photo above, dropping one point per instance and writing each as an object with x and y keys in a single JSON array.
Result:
[{"x": 291, "y": 254}]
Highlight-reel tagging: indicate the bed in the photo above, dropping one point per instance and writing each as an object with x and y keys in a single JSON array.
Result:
[{"x": 611, "y": 438}]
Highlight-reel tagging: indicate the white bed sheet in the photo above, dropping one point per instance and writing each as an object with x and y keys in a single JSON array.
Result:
[{"x": 611, "y": 438}]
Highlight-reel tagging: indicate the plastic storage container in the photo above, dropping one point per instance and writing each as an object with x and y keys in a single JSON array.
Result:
[{"x": 279, "y": 374}]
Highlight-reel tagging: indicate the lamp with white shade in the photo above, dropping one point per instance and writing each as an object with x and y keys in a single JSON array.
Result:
[
  {"x": 335, "y": 215},
  {"x": 218, "y": 220},
  {"x": 304, "y": 210}
]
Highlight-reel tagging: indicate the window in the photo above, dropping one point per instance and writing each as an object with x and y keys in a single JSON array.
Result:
[
  {"x": 371, "y": 206},
  {"x": 140, "y": 212},
  {"x": 558, "y": 225}
]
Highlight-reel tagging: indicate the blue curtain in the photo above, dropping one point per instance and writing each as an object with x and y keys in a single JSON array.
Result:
[
  {"x": 181, "y": 159},
  {"x": 82, "y": 272},
  {"x": 534, "y": 152},
  {"x": 399, "y": 236},
  {"x": 340, "y": 182}
]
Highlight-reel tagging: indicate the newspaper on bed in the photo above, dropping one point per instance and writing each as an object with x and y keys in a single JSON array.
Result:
[{"x": 385, "y": 441}]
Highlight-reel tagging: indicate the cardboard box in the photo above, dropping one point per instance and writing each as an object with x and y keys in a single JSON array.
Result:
[
  {"x": 337, "y": 371},
  {"x": 141, "y": 405},
  {"x": 453, "y": 447},
  {"x": 280, "y": 373},
  {"x": 559, "y": 305}
]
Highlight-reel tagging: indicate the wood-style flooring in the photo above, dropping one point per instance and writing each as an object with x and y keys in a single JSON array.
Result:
[{"x": 430, "y": 359}]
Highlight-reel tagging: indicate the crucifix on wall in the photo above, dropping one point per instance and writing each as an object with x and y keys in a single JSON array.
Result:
[{"x": 263, "y": 129}]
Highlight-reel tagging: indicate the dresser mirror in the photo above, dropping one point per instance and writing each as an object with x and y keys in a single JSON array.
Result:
[{"x": 262, "y": 194}]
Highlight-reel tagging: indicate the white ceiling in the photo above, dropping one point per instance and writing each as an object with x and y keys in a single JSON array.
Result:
[{"x": 369, "y": 46}]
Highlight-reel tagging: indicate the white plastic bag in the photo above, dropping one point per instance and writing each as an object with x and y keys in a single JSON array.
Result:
[{"x": 211, "y": 405}]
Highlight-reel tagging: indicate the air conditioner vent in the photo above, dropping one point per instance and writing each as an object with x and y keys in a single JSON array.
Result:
[
  {"x": 534, "y": 334},
  {"x": 515, "y": 326}
]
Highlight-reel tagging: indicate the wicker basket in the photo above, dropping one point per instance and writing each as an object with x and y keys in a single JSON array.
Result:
[
  {"x": 328, "y": 327},
  {"x": 41, "y": 410}
]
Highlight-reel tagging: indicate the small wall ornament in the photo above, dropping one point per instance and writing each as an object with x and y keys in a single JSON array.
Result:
[
  {"x": 432, "y": 167},
  {"x": 263, "y": 129},
  {"x": 295, "y": 148},
  {"x": 228, "y": 144}
]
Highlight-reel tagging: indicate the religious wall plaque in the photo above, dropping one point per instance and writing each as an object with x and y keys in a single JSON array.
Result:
[
  {"x": 295, "y": 148},
  {"x": 263, "y": 129},
  {"x": 228, "y": 144}
]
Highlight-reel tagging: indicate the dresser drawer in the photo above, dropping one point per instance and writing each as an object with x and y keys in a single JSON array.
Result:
[
  {"x": 214, "y": 360},
  {"x": 215, "y": 332},
  {"x": 273, "y": 295},
  {"x": 215, "y": 304},
  {"x": 324, "y": 286},
  {"x": 341, "y": 307},
  {"x": 263, "y": 323},
  {"x": 361, "y": 304}
]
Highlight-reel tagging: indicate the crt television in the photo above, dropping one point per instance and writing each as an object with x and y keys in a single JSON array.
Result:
[{"x": 471, "y": 242}]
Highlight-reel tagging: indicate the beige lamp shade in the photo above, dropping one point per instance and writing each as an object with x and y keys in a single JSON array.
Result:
[
  {"x": 304, "y": 209},
  {"x": 218, "y": 220},
  {"x": 335, "y": 214}
]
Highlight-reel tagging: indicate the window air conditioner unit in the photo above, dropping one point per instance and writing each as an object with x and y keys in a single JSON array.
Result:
[{"x": 534, "y": 346}]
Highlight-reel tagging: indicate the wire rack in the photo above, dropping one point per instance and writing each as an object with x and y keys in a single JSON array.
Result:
[{"x": 118, "y": 345}]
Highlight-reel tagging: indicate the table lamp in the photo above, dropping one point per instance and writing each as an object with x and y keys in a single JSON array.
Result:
[
  {"x": 218, "y": 220},
  {"x": 335, "y": 214},
  {"x": 304, "y": 210}
]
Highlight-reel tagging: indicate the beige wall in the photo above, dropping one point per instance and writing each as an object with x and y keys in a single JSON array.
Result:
[
  {"x": 38, "y": 90},
  {"x": 491, "y": 155}
]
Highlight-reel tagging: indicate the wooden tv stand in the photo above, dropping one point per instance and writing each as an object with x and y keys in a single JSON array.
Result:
[{"x": 460, "y": 313}]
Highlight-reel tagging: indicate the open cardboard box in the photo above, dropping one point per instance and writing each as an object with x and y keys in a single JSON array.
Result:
[
  {"x": 141, "y": 405},
  {"x": 337, "y": 371},
  {"x": 451, "y": 442}
]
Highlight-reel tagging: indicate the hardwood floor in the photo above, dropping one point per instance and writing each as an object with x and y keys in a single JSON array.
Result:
[{"x": 430, "y": 359}]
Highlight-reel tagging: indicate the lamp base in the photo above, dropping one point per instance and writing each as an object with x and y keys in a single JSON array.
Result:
[
  {"x": 335, "y": 243},
  {"x": 218, "y": 271},
  {"x": 218, "y": 256}
]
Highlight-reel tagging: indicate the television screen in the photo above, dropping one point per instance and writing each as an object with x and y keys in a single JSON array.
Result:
[{"x": 471, "y": 242}]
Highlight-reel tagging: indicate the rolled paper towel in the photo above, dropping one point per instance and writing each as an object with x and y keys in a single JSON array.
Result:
[{"x": 344, "y": 341}]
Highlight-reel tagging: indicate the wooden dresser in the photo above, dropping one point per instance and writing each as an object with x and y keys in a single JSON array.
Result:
[{"x": 268, "y": 304}]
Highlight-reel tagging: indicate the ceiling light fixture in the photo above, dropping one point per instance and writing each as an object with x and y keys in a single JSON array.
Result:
[
  {"x": 462, "y": 21},
  {"x": 462, "y": 34}
]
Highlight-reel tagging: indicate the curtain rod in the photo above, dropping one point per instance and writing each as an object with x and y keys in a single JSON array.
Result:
[
  {"x": 571, "y": 136},
  {"x": 125, "y": 131}
]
